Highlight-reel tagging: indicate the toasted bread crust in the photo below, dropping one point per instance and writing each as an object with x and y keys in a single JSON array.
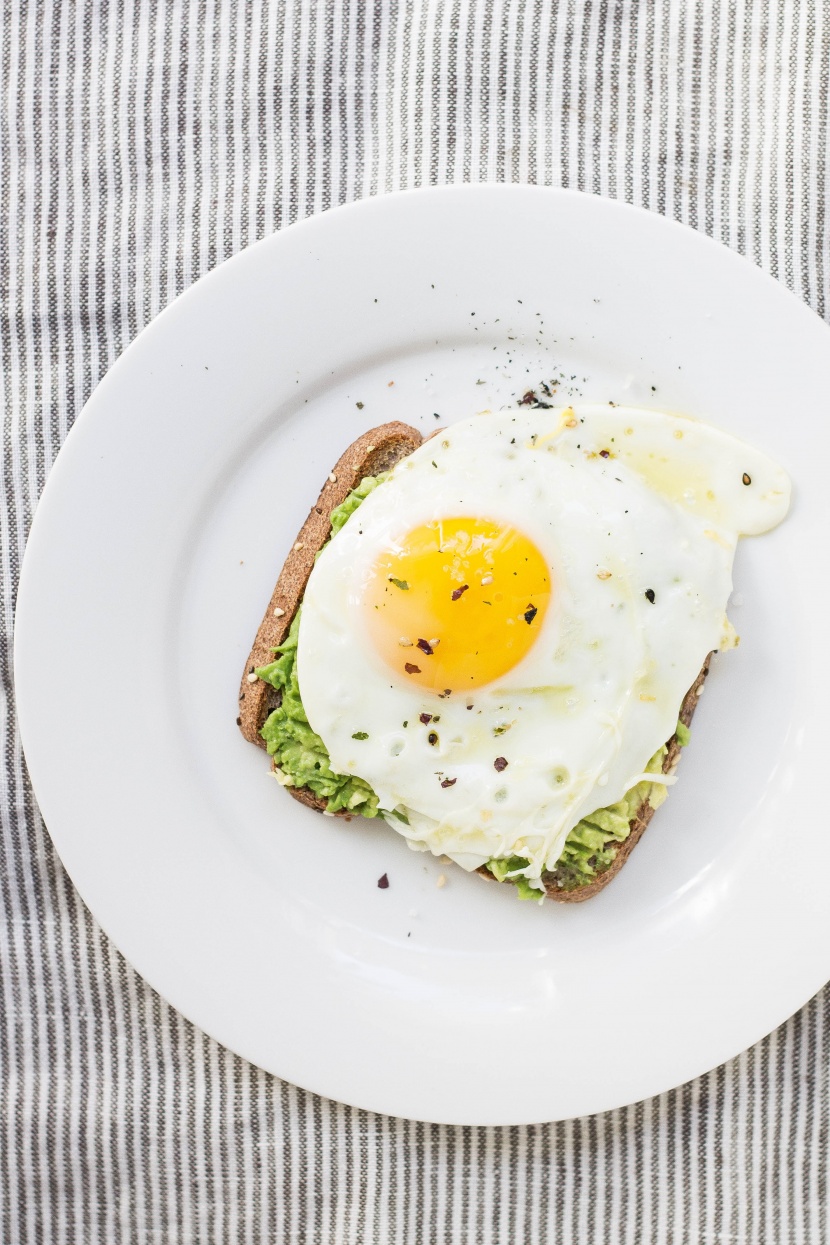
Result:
[{"x": 377, "y": 450}]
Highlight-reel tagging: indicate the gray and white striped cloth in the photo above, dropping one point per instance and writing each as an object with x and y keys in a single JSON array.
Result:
[{"x": 144, "y": 141}]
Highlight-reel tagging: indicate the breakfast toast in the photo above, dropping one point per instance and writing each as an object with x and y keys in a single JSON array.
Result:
[{"x": 376, "y": 451}]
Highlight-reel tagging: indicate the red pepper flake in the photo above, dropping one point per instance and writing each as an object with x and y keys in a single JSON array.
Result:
[
  {"x": 411, "y": 669},
  {"x": 426, "y": 718},
  {"x": 449, "y": 782},
  {"x": 425, "y": 647},
  {"x": 459, "y": 592},
  {"x": 605, "y": 453},
  {"x": 383, "y": 882},
  {"x": 530, "y": 613},
  {"x": 528, "y": 398},
  {"x": 500, "y": 764}
]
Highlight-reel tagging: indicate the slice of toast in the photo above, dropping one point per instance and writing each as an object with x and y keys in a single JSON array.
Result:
[{"x": 376, "y": 451}]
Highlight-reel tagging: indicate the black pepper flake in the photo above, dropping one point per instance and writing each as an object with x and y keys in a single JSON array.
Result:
[
  {"x": 746, "y": 479},
  {"x": 426, "y": 718},
  {"x": 527, "y": 399},
  {"x": 650, "y": 595},
  {"x": 411, "y": 669},
  {"x": 449, "y": 782},
  {"x": 425, "y": 647},
  {"x": 530, "y": 613},
  {"x": 459, "y": 592},
  {"x": 432, "y": 738},
  {"x": 359, "y": 405},
  {"x": 471, "y": 706},
  {"x": 383, "y": 883},
  {"x": 499, "y": 764},
  {"x": 446, "y": 692}
]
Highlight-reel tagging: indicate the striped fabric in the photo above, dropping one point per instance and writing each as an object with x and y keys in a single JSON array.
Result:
[{"x": 144, "y": 141}]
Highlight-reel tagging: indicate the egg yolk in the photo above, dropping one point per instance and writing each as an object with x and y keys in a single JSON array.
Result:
[{"x": 457, "y": 603}]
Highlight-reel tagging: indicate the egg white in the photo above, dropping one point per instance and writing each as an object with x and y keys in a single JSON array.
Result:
[{"x": 579, "y": 717}]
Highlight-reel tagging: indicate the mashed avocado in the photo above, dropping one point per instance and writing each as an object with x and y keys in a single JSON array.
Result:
[
  {"x": 302, "y": 761},
  {"x": 300, "y": 754}
]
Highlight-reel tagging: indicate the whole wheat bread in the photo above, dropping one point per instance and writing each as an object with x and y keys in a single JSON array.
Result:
[{"x": 376, "y": 451}]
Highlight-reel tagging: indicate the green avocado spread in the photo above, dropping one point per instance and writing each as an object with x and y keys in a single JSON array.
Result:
[{"x": 302, "y": 761}]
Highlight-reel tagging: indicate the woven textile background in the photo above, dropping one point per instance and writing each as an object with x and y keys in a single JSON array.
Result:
[{"x": 144, "y": 141}]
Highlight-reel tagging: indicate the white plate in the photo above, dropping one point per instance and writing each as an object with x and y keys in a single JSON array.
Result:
[{"x": 155, "y": 548}]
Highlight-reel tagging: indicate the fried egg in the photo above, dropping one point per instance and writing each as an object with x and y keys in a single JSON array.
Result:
[{"x": 501, "y": 636}]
